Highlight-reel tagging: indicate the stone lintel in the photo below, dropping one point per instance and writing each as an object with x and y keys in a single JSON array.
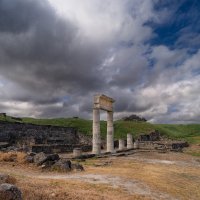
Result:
[
  {"x": 97, "y": 97},
  {"x": 103, "y": 102}
]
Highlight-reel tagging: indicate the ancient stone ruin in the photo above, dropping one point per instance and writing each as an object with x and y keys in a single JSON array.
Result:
[
  {"x": 102, "y": 102},
  {"x": 42, "y": 138},
  {"x": 148, "y": 141},
  {"x": 152, "y": 136},
  {"x": 152, "y": 141},
  {"x": 55, "y": 139}
]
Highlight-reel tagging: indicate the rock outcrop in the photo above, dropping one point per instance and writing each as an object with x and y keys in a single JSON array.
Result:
[
  {"x": 10, "y": 192},
  {"x": 54, "y": 162}
]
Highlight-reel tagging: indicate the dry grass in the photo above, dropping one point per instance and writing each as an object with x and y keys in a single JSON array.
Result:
[
  {"x": 177, "y": 180},
  {"x": 180, "y": 181},
  {"x": 34, "y": 189},
  {"x": 12, "y": 157},
  {"x": 9, "y": 179},
  {"x": 194, "y": 150}
]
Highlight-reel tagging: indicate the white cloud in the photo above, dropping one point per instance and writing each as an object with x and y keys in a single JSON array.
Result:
[{"x": 108, "y": 20}]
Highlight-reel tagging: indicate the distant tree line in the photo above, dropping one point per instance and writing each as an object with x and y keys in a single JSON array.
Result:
[{"x": 134, "y": 118}]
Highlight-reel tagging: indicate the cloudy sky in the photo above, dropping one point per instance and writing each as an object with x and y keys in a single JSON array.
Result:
[{"x": 56, "y": 54}]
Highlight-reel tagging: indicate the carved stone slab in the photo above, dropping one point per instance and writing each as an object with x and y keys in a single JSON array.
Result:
[{"x": 103, "y": 102}]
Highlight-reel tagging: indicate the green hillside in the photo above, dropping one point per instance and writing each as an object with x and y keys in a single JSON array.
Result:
[
  {"x": 85, "y": 126},
  {"x": 121, "y": 127},
  {"x": 190, "y": 133}
]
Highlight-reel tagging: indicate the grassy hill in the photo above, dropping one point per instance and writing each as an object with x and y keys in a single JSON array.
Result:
[
  {"x": 190, "y": 133},
  {"x": 85, "y": 126}
]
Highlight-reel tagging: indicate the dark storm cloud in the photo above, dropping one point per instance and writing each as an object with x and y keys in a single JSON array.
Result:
[
  {"x": 130, "y": 102},
  {"x": 42, "y": 53},
  {"x": 18, "y": 16}
]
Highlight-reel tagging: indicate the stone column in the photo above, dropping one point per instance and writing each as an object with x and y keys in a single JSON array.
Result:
[
  {"x": 96, "y": 145},
  {"x": 110, "y": 130},
  {"x": 77, "y": 152},
  {"x": 121, "y": 144},
  {"x": 136, "y": 145},
  {"x": 129, "y": 141}
]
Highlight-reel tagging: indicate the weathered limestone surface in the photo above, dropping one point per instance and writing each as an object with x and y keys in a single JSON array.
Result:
[
  {"x": 121, "y": 144},
  {"x": 129, "y": 141},
  {"x": 136, "y": 145},
  {"x": 103, "y": 102},
  {"x": 110, "y": 132},
  {"x": 96, "y": 148},
  {"x": 77, "y": 152}
]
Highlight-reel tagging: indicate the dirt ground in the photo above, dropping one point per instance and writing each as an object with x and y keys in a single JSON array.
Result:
[{"x": 148, "y": 175}]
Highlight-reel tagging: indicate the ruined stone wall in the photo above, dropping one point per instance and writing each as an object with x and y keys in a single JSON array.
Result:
[
  {"x": 60, "y": 148},
  {"x": 36, "y": 136},
  {"x": 152, "y": 136},
  {"x": 16, "y": 132}
]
